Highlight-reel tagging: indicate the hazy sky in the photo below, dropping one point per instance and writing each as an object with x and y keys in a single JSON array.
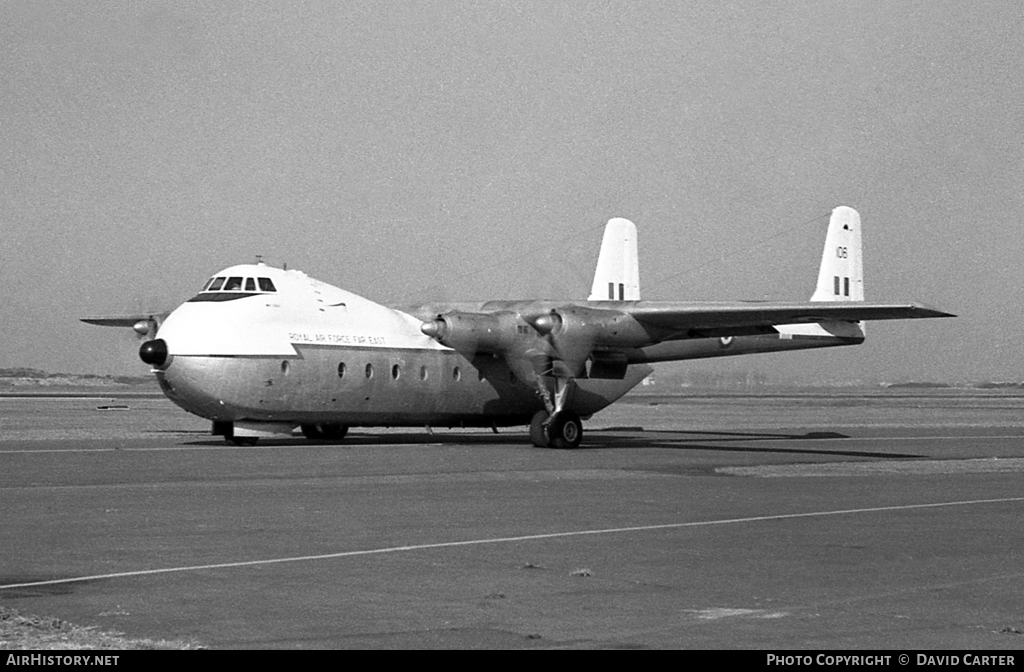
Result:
[{"x": 409, "y": 151}]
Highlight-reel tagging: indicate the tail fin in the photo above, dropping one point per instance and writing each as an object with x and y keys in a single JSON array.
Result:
[
  {"x": 618, "y": 272},
  {"x": 841, "y": 277}
]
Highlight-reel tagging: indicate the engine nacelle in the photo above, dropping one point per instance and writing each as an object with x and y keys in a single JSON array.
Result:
[
  {"x": 561, "y": 340},
  {"x": 470, "y": 333},
  {"x": 577, "y": 333},
  {"x": 576, "y": 326}
]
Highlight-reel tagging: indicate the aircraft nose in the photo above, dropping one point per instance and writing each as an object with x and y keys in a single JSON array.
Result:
[{"x": 154, "y": 352}]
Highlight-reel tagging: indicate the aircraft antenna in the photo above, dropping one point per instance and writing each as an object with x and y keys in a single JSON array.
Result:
[{"x": 691, "y": 271}]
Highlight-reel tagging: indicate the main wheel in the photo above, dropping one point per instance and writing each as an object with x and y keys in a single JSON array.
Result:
[
  {"x": 331, "y": 432},
  {"x": 538, "y": 432},
  {"x": 565, "y": 430},
  {"x": 243, "y": 440},
  {"x": 334, "y": 432}
]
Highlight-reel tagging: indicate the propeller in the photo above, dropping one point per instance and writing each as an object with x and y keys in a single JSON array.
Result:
[
  {"x": 144, "y": 325},
  {"x": 571, "y": 338},
  {"x": 147, "y": 326},
  {"x": 153, "y": 350},
  {"x": 576, "y": 334},
  {"x": 561, "y": 341},
  {"x": 146, "y": 329}
]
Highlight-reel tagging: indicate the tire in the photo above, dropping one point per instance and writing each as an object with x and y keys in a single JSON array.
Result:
[
  {"x": 565, "y": 430},
  {"x": 329, "y": 432},
  {"x": 538, "y": 433}
]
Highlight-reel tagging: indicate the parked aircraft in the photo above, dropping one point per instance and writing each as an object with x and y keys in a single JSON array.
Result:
[{"x": 260, "y": 350}]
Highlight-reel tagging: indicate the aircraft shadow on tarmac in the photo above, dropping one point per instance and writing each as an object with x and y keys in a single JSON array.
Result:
[
  {"x": 619, "y": 438},
  {"x": 700, "y": 441}
]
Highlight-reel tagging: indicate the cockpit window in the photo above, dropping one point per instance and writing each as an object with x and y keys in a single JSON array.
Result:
[{"x": 235, "y": 284}]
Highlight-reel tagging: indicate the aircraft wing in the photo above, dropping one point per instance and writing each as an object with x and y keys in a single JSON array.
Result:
[
  {"x": 688, "y": 320},
  {"x": 144, "y": 324},
  {"x": 120, "y": 321}
]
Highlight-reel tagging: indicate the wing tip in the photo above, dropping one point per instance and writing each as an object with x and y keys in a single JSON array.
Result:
[{"x": 929, "y": 311}]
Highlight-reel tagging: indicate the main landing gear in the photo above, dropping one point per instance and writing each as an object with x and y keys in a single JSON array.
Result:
[
  {"x": 555, "y": 426},
  {"x": 561, "y": 430}
]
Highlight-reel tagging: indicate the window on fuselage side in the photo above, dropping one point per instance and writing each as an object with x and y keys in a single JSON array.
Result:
[
  {"x": 266, "y": 285},
  {"x": 216, "y": 284},
  {"x": 250, "y": 285},
  {"x": 207, "y": 285},
  {"x": 233, "y": 284}
]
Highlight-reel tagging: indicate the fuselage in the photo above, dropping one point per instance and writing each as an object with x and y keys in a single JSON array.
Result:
[
  {"x": 260, "y": 350},
  {"x": 261, "y": 344}
]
